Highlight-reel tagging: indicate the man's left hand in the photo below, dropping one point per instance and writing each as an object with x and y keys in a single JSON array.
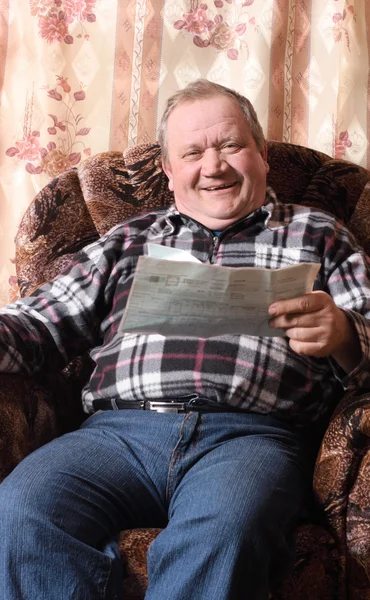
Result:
[{"x": 316, "y": 327}]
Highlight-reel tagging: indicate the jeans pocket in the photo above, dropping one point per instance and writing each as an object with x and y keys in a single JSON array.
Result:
[{"x": 90, "y": 417}]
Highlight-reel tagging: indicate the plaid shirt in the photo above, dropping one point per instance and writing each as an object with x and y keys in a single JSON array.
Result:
[{"x": 81, "y": 310}]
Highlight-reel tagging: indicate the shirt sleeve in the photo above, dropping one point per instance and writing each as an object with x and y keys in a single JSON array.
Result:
[
  {"x": 348, "y": 282},
  {"x": 61, "y": 319}
]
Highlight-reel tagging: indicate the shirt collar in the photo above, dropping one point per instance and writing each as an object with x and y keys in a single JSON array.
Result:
[{"x": 271, "y": 212}]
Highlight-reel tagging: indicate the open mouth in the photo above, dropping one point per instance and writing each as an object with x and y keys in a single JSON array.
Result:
[{"x": 220, "y": 187}]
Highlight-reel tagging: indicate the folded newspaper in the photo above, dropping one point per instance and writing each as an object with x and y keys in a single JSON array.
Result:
[{"x": 173, "y": 294}]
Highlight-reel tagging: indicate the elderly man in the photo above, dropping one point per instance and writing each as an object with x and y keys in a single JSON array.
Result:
[{"x": 224, "y": 476}]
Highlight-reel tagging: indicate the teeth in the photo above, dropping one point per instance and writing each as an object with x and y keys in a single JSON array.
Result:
[{"x": 220, "y": 187}]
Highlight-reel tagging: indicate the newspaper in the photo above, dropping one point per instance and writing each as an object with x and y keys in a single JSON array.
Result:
[{"x": 176, "y": 295}]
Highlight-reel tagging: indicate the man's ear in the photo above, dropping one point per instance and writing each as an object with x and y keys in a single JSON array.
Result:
[
  {"x": 167, "y": 169},
  {"x": 264, "y": 156}
]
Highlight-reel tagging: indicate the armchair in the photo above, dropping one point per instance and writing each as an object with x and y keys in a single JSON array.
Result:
[{"x": 333, "y": 551}]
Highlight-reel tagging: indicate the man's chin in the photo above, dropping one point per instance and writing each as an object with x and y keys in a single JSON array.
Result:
[
  {"x": 218, "y": 222},
  {"x": 220, "y": 218}
]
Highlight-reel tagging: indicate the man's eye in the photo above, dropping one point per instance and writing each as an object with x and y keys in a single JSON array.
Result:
[
  {"x": 192, "y": 154},
  {"x": 230, "y": 147}
]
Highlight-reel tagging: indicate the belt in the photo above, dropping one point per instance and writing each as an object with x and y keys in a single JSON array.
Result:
[{"x": 169, "y": 406}]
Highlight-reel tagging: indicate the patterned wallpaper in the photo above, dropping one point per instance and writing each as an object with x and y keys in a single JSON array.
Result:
[{"x": 79, "y": 77}]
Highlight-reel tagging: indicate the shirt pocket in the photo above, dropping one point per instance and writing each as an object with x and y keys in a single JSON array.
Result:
[{"x": 275, "y": 257}]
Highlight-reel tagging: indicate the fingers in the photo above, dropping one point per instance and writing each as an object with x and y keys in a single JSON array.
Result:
[
  {"x": 303, "y": 304},
  {"x": 309, "y": 341},
  {"x": 294, "y": 321},
  {"x": 309, "y": 321},
  {"x": 316, "y": 327},
  {"x": 306, "y": 334},
  {"x": 314, "y": 348}
]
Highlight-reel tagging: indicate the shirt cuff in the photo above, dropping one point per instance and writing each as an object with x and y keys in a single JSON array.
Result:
[{"x": 359, "y": 377}]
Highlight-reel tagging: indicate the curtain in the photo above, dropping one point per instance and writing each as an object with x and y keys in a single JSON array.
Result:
[{"x": 78, "y": 77}]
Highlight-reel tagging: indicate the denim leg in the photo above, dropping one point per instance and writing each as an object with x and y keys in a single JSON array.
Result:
[
  {"x": 63, "y": 507},
  {"x": 229, "y": 483},
  {"x": 235, "y": 494}
]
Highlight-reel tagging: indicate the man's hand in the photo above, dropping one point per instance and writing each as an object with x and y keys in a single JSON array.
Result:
[{"x": 317, "y": 327}]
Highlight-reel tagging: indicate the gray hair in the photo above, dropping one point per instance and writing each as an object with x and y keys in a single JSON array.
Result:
[{"x": 200, "y": 90}]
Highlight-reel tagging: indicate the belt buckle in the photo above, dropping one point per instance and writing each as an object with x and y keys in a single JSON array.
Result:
[{"x": 165, "y": 407}]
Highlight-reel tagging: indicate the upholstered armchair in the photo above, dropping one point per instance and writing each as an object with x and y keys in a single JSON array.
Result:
[{"x": 333, "y": 547}]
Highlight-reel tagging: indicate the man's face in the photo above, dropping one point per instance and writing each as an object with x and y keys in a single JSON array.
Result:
[{"x": 214, "y": 168}]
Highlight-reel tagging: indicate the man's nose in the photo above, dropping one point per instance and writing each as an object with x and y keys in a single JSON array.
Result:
[{"x": 213, "y": 162}]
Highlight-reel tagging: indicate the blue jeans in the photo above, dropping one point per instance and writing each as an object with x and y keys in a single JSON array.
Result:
[{"x": 226, "y": 488}]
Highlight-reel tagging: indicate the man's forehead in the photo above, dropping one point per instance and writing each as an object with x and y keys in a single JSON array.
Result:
[{"x": 218, "y": 113}]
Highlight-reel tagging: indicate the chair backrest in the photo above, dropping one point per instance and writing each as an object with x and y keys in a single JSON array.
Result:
[{"x": 83, "y": 203}]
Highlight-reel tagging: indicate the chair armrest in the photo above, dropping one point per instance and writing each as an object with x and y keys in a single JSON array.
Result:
[
  {"x": 342, "y": 485},
  {"x": 28, "y": 419},
  {"x": 346, "y": 440},
  {"x": 34, "y": 410}
]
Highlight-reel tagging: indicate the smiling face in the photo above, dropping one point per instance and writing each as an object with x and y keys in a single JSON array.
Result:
[{"x": 214, "y": 168}]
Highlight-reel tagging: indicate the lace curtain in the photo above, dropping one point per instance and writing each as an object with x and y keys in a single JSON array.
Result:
[{"x": 78, "y": 77}]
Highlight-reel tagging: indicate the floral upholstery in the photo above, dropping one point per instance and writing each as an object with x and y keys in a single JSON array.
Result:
[{"x": 333, "y": 551}]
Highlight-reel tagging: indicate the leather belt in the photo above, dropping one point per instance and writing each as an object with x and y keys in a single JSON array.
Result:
[{"x": 168, "y": 406}]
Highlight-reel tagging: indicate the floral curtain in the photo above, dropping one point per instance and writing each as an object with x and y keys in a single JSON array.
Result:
[{"x": 78, "y": 77}]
